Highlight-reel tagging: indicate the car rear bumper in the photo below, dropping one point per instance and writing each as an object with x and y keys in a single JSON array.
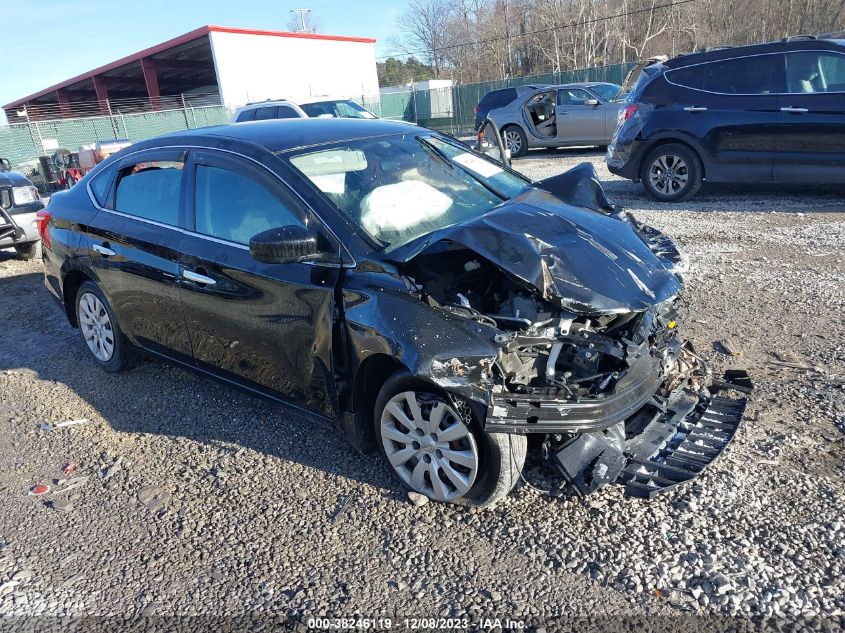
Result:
[{"x": 622, "y": 159}]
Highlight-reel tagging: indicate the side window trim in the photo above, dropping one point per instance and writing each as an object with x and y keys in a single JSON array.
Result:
[
  {"x": 780, "y": 76},
  {"x": 225, "y": 160},
  {"x": 110, "y": 171},
  {"x": 176, "y": 154},
  {"x": 819, "y": 52}
]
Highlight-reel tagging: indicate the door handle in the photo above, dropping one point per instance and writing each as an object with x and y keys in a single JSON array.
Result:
[
  {"x": 197, "y": 278},
  {"x": 695, "y": 109},
  {"x": 103, "y": 250},
  {"x": 794, "y": 110}
]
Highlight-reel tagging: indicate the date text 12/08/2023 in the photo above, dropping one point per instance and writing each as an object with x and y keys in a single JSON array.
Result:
[{"x": 412, "y": 624}]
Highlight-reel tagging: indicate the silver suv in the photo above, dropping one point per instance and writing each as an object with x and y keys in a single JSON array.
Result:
[
  {"x": 314, "y": 107},
  {"x": 552, "y": 116}
]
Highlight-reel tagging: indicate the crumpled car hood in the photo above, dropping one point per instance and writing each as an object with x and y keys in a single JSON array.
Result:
[{"x": 583, "y": 260}]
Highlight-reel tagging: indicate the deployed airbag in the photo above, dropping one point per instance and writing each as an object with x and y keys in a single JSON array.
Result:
[{"x": 400, "y": 206}]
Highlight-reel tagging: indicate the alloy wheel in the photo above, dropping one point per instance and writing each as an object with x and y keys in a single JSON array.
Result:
[
  {"x": 513, "y": 141},
  {"x": 429, "y": 445},
  {"x": 668, "y": 174},
  {"x": 96, "y": 326}
]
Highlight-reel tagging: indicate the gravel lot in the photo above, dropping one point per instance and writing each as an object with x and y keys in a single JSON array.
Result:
[{"x": 200, "y": 500}]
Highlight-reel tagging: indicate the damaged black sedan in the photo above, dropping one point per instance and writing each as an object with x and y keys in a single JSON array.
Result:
[{"x": 437, "y": 305}]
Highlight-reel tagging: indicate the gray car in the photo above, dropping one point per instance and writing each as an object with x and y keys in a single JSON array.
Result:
[{"x": 552, "y": 116}]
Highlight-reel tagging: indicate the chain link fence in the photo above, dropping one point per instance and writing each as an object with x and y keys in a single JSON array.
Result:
[
  {"x": 23, "y": 143},
  {"x": 449, "y": 109}
]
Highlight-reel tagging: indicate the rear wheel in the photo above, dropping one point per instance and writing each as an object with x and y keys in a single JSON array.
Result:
[
  {"x": 436, "y": 448},
  {"x": 99, "y": 329},
  {"x": 515, "y": 140},
  {"x": 671, "y": 173},
  {"x": 28, "y": 251}
]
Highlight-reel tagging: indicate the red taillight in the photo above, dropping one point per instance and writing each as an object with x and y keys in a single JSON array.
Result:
[
  {"x": 43, "y": 218},
  {"x": 628, "y": 112},
  {"x": 477, "y": 109}
]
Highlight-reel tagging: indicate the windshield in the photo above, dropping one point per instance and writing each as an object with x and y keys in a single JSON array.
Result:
[
  {"x": 606, "y": 91},
  {"x": 337, "y": 109},
  {"x": 400, "y": 187}
]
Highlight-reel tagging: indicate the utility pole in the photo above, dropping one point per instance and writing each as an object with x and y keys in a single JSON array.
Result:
[{"x": 302, "y": 13}]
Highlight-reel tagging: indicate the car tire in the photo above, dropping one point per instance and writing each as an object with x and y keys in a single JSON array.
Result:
[
  {"x": 99, "y": 329},
  {"x": 514, "y": 139},
  {"x": 482, "y": 467},
  {"x": 671, "y": 173},
  {"x": 28, "y": 251}
]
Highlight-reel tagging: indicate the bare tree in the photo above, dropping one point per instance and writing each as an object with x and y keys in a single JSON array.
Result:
[
  {"x": 424, "y": 24},
  {"x": 302, "y": 21},
  {"x": 478, "y": 40}
]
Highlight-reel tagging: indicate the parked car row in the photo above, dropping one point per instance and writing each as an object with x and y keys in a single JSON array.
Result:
[{"x": 771, "y": 112}]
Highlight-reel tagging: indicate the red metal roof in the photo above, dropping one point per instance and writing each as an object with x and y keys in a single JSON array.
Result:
[{"x": 177, "y": 41}]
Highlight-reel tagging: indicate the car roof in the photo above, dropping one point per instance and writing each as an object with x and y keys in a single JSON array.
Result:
[
  {"x": 286, "y": 134},
  {"x": 268, "y": 102},
  {"x": 576, "y": 84},
  {"x": 780, "y": 46},
  {"x": 322, "y": 99}
]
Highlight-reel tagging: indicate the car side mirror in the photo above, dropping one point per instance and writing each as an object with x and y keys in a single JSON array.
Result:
[
  {"x": 283, "y": 245},
  {"x": 591, "y": 102},
  {"x": 5, "y": 165}
]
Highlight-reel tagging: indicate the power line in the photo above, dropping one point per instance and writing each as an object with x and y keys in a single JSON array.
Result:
[{"x": 674, "y": 3}]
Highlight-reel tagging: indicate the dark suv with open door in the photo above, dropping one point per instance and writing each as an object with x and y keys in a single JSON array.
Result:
[{"x": 765, "y": 113}]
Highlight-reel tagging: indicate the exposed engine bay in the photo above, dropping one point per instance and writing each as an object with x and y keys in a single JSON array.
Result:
[
  {"x": 586, "y": 320},
  {"x": 546, "y": 350}
]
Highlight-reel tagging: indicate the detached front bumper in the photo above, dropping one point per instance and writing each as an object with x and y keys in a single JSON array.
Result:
[
  {"x": 656, "y": 431},
  {"x": 516, "y": 413}
]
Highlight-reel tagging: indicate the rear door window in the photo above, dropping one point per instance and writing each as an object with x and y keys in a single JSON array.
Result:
[
  {"x": 689, "y": 77},
  {"x": 286, "y": 112},
  {"x": 101, "y": 185},
  {"x": 266, "y": 113},
  {"x": 497, "y": 98},
  {"x": 572, "y": 97},
  {"x": 151, "y": 188},
  {"x": 755, "y": 75},
  {"x": 246, "y": 115},
  {"x": 815, "y": 71}
]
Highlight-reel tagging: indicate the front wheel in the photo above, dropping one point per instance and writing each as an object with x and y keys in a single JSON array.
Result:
[
  {"x": 671, "y": 173},
  {"x": 436, "y": 448},
  {"x": 515, "y": 140}
]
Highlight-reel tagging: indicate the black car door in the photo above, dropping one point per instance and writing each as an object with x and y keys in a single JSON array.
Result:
[
  {"x": 266, "y": 326},
  {"x": 735, "y": 115},
  {"x": 810, "y": 144},
  {"x": 133, "y": 244}
]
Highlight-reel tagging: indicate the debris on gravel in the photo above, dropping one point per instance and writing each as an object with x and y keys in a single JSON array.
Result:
[{"x": 417, "y": 499}]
